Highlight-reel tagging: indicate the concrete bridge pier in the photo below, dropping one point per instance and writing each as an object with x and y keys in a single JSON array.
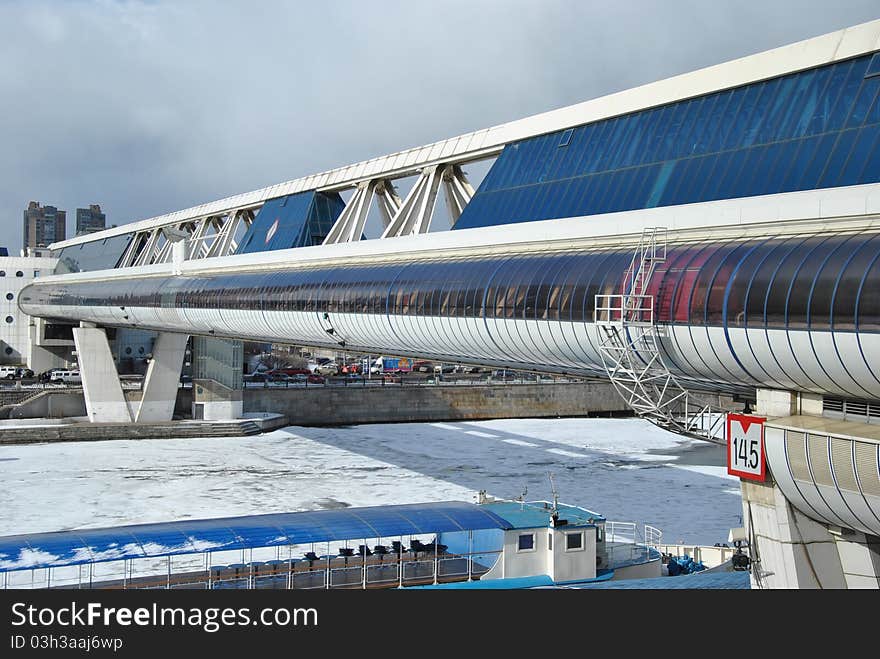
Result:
[
  {"x": 815, "y": 521},
  {"x": 104, "y": 398},
  {"x": 105, "y": 401},
  {"x": 162, "y": 378}
]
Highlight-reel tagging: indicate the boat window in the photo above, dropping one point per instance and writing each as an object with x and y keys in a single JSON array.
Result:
[
  {"x": 526, "y": 542},
  {"x": 574, "y": 541},
  {"x": 550, "y": 541}
]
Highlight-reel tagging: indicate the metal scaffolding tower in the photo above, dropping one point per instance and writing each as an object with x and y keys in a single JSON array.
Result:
[{"x": 629, "y": 343}]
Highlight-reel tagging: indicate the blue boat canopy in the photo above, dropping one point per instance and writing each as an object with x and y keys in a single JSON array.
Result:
[{"x": 42, "y": 550}]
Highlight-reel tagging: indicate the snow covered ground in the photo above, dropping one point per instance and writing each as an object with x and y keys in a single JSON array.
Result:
[{"x": 625, "y": 469}]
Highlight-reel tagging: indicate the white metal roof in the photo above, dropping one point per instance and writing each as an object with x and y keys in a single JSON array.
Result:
[{"x": 824, "y": 49}]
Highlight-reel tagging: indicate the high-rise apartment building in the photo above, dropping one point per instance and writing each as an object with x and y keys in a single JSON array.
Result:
[
  {"x": 43, "y": 225},
  {"x": 89, "y": 220}
]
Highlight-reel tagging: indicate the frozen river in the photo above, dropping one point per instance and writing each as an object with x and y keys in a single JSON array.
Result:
[{"x": 625, "y": 469}]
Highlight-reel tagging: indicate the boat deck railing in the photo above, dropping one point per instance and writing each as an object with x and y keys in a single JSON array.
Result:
[
  {"x": 627, "y": 543},
  {"x": 326, "y": 572}
]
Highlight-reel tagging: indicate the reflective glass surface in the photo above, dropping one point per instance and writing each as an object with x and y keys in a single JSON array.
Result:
[
  {"x": 297, "y": 220},
  {"x": 820, "y": 282},
  {"x": 817, "y": 128}
]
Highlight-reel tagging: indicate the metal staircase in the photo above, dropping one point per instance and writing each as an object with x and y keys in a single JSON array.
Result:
[{"x": 629, "y": 343}]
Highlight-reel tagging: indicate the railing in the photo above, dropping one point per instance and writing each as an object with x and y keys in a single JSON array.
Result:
[
  {"x": 633, "y": 309},
  {"x": 627, "y": 544},
  {"x": 398, "y": 381},
  {"x": 333, "y": 573}
]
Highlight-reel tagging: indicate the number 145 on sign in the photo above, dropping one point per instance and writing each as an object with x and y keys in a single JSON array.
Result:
[{"x": 745, "y": 447}]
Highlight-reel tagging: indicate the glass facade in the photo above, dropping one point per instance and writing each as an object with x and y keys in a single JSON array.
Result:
[
  {"x": 816, "y": 128},
  {"x": 298, "y": 220},
  {"x": 825, "y": 282},
  {"x": 217, "y": 359},
  {"x": 96, "y": 255}
]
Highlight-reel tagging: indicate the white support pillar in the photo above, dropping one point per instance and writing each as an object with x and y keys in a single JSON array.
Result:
[
  {"x": 458, "y": 189},
  {"x": 162, "y": 378},
  {"x": 103, "y": 392},
  {"x": 414, "y": 216}
]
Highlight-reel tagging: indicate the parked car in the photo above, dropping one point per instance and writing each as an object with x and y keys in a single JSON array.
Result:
[
  {"x": 257, "y": 377},
  {"x": 290, "y": 371},
  {"x": 329, "y": 368},
  {"x": 315, "y": 379},
  {"x": 8, "y": 372},
  {"x": 60, "y": 376},
  {"x": 423, "y": 367}
]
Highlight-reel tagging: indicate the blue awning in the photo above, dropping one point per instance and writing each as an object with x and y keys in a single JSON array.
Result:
[{"x": 40, "y": 550}]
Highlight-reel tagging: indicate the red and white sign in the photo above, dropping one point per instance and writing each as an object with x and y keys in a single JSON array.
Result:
[{"x": 745, "y": 447}]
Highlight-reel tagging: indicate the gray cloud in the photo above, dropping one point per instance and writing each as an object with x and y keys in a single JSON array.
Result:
[{"x": 147, "y": 107}]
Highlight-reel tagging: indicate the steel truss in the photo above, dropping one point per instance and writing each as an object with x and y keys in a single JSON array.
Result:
[{"x": 629, "y": 343}]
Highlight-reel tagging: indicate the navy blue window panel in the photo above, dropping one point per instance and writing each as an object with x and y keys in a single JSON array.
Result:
[
  {"x": 297, "y": 220},
  {"x": 813, "y": 129}
]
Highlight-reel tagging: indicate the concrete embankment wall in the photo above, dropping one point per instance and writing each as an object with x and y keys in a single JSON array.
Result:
[
  {"x": 59, "y": 404},
  {"x": 357, "y": 404}
]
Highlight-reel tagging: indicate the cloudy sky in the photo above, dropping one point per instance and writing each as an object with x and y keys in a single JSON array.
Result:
[{"x": 150, "y": 106}]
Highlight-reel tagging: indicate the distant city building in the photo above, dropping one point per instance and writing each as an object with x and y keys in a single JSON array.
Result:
[
  {"x": 43, "y": 225},
  {"x": 89, "y": 220}
]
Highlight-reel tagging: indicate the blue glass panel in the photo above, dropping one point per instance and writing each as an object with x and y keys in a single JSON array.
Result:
[
  {"x": 838, "y": 159},
  {"x": 714, "y": 168},
  {"x": 758, "y": 113},
  {"x": 740, "y": 122},
  {"x": 784, "y": 156},
  {"x": 682, "y": 146},
  {"x": 634, "y": 137},
  {"x": 817, "y": 160},
  {"x": 863, "y": 102},
  {"x": 719, "y": 125},
  {"x": 581, "y": 158},
  {"x": 794, "y": 105},
  {"x": 848, "y": 93},
  {"x": 728, "y": 119},
  {"x": 779, "y": 96},
  {"x": 873, "y": 66},
  {"x": 675, "y": 121},
  {"x": 752, "y": 177},
  {"x": 858, "y": 157},
  {"x": 874, "y": 112},
  {"x": 696, "y": 141},
  {"x": 803, "y": 107},
  {"x": 652, "y": 120},
  {"x": 871, "y": 172},
  {"x": 654, "y": 146}
]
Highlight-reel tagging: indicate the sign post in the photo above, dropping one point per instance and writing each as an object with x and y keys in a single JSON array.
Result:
[{"x": 745, "y": 447}]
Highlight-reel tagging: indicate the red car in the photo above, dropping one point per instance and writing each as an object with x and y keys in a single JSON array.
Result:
[{"x": 316, "y": 379}]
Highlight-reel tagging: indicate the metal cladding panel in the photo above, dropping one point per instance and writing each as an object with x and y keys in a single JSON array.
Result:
[
  {"x": 40, "y": 550},
  {"x": 816, "y": 128}
]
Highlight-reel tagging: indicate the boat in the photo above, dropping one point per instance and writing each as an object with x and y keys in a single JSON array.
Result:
[{"x": 492, "y": 543}]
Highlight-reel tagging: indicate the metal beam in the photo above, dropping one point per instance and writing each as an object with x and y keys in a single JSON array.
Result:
[
  {"x": 459, "y": 191},
  {"x": 349, "y": 227},
  {"x": 415, "y": 214}
]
